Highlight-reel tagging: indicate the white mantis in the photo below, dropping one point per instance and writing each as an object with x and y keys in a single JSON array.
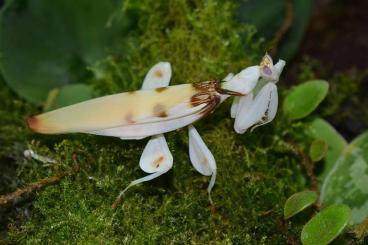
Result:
[{"x": 159, "y": 108}]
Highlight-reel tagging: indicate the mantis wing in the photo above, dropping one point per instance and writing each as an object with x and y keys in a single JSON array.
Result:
[{"x": 123, "y": 115}]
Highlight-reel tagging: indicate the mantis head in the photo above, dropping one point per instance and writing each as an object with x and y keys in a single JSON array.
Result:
[
  {"x": 259, "y": 103},
  {"x": 245, "y": 81}
]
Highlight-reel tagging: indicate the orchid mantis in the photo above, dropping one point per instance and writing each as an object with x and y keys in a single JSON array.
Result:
[{"x": 158, "y": 108}]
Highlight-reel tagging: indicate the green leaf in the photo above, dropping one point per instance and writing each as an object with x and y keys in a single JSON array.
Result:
[
  {"x": 325, "y": 226},
  {"x": 318, "y": 150},
  {"x": 268, "y": 16},
  {"x": 322, "y": 130},
  {"x": 71, "y": 94},
  {"x": 48, "y": 44},
  {"x": 348, "y": 181},
  {"x": 305, "y": 98},
  {"x": 298, "y": 202}
]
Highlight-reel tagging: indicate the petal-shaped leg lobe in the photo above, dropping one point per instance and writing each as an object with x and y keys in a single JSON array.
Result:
[
  {"x": 156, "y": 159},
  {"x": 156, "y": 156},
  {"x": 279, "y": 67},
  {"x": 228, "y": 77},
  {"x": 262, "y": 110},
  {"x": 201, "y": 157},
  {"x": 243, "y": 82},
  {"x": 234, "y": 106},
  {"x": 158, "y": 76}
]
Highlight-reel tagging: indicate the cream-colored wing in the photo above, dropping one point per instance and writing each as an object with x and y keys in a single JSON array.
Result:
[{"x": 125, "y": 109}]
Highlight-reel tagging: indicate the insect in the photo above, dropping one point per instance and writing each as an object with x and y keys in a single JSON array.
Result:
[{"x": 159, "y": 108}]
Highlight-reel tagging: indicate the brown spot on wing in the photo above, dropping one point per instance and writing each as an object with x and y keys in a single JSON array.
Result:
[
  {"x": 158, "y": 73},
  {"x": 205, "y": 161},
  {"x": 33, "y": 123},
  {"x": 157, "y": 162},
  {"x": 159, "y": 110},
  {"x": 161, "y": 89},
  {"x": 129, "y": 118}
]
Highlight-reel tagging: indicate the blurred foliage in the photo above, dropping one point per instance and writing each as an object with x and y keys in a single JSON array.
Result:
[
  {"x": 347, "y": 182},
  {"x": 305, "y": 98},
  {"x": 268, "y": 16},
  {"x": 345, "y": 104},
  {"x": 48, "y": 44},
  {"x": 323, "y": 131}
]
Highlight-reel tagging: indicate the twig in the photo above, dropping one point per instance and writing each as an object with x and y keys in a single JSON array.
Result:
[
  {"x": 116, "y": 202},
  {"x": 4, "y": 199},
  {"x": 284, "y": 230},
  {"x": 307, "y": 163},
  {"x": 309, "y": 168},
  {"x": 286, "y": 24}
]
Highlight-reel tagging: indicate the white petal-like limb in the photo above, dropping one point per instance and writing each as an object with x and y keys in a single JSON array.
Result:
[
  {"x": 241, "y": 103},
  {"x": 156, "y": 159},
  {"x": 280, "y": 66},
  {"x": 202, "y": 158},
  {"x": 259, "y": 111},
  {"x": 244, "y": 105},
  {"x": 228, "y": 77},
  {"x": 243, "y": 82},
  {"x": 156, "y": 156},
  {"x": 234, "y": 106},
  {"x": 158, "y": 76}
]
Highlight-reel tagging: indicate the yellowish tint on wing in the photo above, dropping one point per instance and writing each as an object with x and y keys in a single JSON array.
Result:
[{"x": 113, "y": 110}]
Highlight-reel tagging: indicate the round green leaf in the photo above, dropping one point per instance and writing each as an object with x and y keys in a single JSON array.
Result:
[
  {"x": 48, "y": 44},
  {"x": 348, "y": 181},
  {"x": 322, "y": 130},
  {"x": 325, "y": 226},
  {"x": 298, "y": 202},
  {"x": 304, "y": 98},
  {"x": 318, "y": 150}
]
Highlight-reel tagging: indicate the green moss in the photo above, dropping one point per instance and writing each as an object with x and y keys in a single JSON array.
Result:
[
  {"x": 256, "y": 171},
  {"x": 254, "y": 177}
]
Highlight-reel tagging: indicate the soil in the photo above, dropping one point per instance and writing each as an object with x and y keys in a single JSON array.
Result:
[{"x": 338, "y": 34}]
